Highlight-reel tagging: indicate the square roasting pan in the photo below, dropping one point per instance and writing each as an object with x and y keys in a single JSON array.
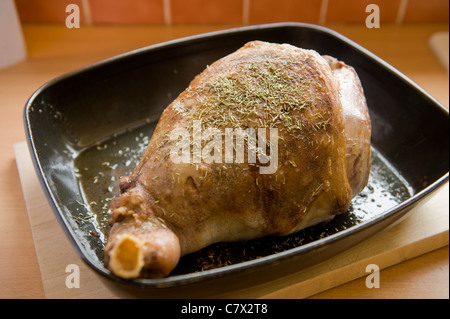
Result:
[{"x": 88, "y": 127}]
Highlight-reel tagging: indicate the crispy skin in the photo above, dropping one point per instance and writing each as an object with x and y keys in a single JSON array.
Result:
[
  {"x": 357, "y": 124},
  {"x": 167, "y": 210}
]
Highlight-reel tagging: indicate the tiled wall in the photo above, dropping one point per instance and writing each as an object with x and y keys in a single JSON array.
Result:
[{"x": 233, "y": 11}]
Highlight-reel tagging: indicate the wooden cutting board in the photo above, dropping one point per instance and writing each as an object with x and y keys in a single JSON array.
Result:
[
  {"x": 426, "y": 228},
  {"x": 439, "y": 44}
]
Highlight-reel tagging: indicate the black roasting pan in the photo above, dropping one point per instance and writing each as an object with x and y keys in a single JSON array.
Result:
[{"x": 88, "y": 127}]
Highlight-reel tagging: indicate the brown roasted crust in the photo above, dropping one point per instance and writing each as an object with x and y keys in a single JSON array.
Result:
[
  {"x": 357, "y": 124},
  {"x": 206, "y": 203}
]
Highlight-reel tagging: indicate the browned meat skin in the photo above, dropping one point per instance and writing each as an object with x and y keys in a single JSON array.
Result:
[
  {"x": 357, "y": 124},
  {"x": 167, "y": 210}
]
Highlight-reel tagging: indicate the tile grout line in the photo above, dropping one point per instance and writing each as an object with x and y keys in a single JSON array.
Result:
[
  {"x": 245, "y": 11},
  {"x": 86, "y": 12},
  {"x": 401, "y": 11},
  {"x": 167, "y": 12},
  {"x": 323, "y": 12}
]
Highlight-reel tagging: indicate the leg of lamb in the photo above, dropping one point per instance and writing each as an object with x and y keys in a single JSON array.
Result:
[{"x": 316, "y": 160}]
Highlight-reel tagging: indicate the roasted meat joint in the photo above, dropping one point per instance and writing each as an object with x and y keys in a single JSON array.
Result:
[{"x": 268, "y": 140}]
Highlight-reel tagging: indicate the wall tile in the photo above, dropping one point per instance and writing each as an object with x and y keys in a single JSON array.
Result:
[
  {"x": 45, "y": 10},
  {"x": 267, "y": 11},
  {"x": 354, "y": 11},
  {"x": 129, "y": 11},
  {"x": 427, "y": 11},
  {"x": 234, "y": 11},
  {"x": 206, "y": 11}
]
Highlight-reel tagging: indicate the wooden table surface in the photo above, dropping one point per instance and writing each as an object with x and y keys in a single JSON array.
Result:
[{"x": 54, "y": 50}]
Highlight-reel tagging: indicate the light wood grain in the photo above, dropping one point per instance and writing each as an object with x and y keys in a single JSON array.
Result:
[{"x": 54, "y": 50}]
